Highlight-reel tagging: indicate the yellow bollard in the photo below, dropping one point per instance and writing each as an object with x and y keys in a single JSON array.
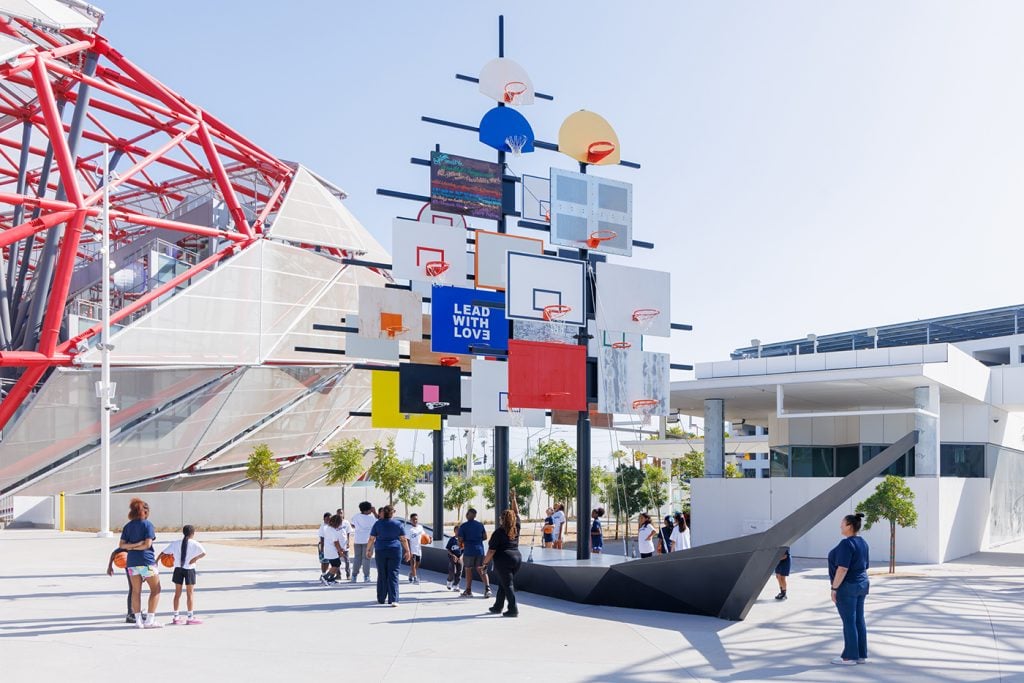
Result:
[{"x": 62, "y": 511}]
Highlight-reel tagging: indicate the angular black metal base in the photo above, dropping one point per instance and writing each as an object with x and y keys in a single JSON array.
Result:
[{"x": 719, "y": 579}]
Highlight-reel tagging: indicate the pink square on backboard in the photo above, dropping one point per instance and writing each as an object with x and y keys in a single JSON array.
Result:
[{"x": 431, "y": 393}]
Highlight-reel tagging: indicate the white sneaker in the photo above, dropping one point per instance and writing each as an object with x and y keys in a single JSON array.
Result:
[
  {"x": 448, "y": 585},
  {"x": 152, "y": 624},
  {"x": 366, "y": 579},
  {"x": 844, "y": 662},
  {"x": 416, "y": 580},
  {"x": 863, "y": 660}
]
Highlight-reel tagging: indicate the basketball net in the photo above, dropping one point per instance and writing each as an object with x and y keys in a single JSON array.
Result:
[
  {"x": 557, "y": 326},
  {"x": 516, "y": 418},
  {"x": 644, "y": 408},
  {"x": 437, "y": 272},
  {"x": 515, "y": 144},
  {"x": 644, "y": 318}
]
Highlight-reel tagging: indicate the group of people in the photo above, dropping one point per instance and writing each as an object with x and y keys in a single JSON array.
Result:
[
  {"x": 672, "y": 537},
  {"x": 134, "y": 553}
]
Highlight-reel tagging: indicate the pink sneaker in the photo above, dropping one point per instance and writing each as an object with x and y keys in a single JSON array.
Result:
[
  {"x": 176, "y": 621},
  {"x": 194, "y": 622}
]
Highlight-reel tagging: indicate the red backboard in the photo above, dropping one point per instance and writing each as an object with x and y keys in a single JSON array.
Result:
[{"x": 544, "y": 375}]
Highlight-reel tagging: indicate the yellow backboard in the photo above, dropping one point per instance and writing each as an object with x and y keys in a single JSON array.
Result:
[{"x": 384, "y": 405}]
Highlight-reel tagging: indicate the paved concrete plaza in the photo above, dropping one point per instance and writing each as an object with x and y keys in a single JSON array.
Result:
[{"x": 267, "y": 618}]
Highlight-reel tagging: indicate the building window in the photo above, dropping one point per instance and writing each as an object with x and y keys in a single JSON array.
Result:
[
  {"x": 779, "y": 465},
  {"x": 813, "y": 461},
  {"x": 750, "y": 474},
  {"x": 962, "y": 460},
  {"x": 847, "y": 460},
  {"x": 904, "y": 467}
]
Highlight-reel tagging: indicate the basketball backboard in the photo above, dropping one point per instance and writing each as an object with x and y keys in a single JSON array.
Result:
[
  {"x": 502, "y": 123},
  {"x": 588, "y": 138},
  {"x": 418, "y": 247},
  {"x": 470, "y": 187},
  {"x": 530, "y": 330},
  {"x": 586, "y": 206},
  {"x": 536, "y": 203},
  {"x": 627, "y": 296},
  {"x": 490, "y": 398},
  {"x": 429, "y": 389},
  {"x": 386, "y": 313},
  {"x": 358, "y": 346},
  {"x": 548, "y": 376},
  {"x": 628, "y": 375},
  {"x": 465, "y": 419},
  {"x": 384, "y": 411},
  {"x": 467, "y": 321},
  {"x": 504, "y": 80},
  {"x": 537, "y": 282},
  {"x": 421, "y": 352},
  {"x": 490, "y": 259}
]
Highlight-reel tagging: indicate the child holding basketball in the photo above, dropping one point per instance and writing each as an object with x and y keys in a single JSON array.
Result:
[
  {"x": 119, "y": 558},
  {"x": 185, "y": 554},
  {"x": 414, "y": 533}
]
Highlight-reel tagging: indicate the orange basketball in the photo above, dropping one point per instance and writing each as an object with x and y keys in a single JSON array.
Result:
[
  {"x": 167, "y": 561},
  {"x": 425, "y": 539},
  {"x": 121, "y": 560}
]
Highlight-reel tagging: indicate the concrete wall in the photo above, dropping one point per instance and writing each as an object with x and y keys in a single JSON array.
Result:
[
  {"x": 35, "y": 511},
  {"x": 240, "y": 509},
  {"x": 953, "y": 515}
]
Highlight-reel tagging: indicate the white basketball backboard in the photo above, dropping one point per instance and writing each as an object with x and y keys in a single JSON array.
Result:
[
  {"x": 536, "y": 204},
  {"x": 358, "y": 346},
  {"x": 415, "y": 244},
  {"x": 491, "y": 251},
  {"x": 504, "y": 80},
  {"x": 628, "y": 375},
  {"x": 624, "y": 293},
  {"x": 584, "y": 205},
  {"x": 536, "y": 282},
  {"x": 490, "y": 398},
  {"x": 386, "y": 313},
  {"x": 465, "y": 419},
  {"x": 429, "y": 215}
]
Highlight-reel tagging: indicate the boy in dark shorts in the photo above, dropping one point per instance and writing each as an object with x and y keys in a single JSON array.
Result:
[
  {"x": 781, "y": 572},
  {"x": 454, "y": 549}
]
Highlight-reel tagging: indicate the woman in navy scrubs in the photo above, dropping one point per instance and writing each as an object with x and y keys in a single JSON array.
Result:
[
  {"x": 848, "y": 574},
  {"x": 388, "y": 536}
]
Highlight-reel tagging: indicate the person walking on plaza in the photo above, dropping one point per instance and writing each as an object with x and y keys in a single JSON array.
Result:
[
  {"x": 388, "y": 537},
  {"x": 361, "y": 525},
  {"x": 454, "y": 549},
  {"x": 558, "y": 521},
  {"x": 122, "y": 563},
  {"x": 185, "y": 555},
  {"x": 548, "y": 530},
  {"x": 345, "y": 538},
  {"x": 848, "y": 573},
  {"x": 414, "y": 534},
  {"x": 332, "y": 551},
  {"x": 596, "y": 536},
  {"x": 645, "y": 536},
  {"x": 781, "y": 572},
  {"x": 665, "y": 536},
  {"x": 680, "y": 534},
  {"x": 473, "y": 534},
  {"x": 503, "y": 548},
  {"x": 137, "y": 538},
  {"x": 320, "y": 542}
]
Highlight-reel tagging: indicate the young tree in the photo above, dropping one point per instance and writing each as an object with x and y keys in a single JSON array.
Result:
[
  {"x": 520, "y": 482},
  {"x": 387, "y": 471},
  {"x": 264, "y": 470},
  {"x": 346, "y": 464},
  {"x": 893, "y": 501},
  {"x": 624, "y": 493},
  {"x": 554, "y": 465},
  {"x": 407, "y": 491},
  {"x": 457, "y": 492}
]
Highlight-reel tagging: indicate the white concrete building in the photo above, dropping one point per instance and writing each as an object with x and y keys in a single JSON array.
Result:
[{"x": 829, "y": 403}]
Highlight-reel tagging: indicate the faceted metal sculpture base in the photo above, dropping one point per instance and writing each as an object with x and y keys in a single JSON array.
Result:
[{"x": 719, "y": 579}]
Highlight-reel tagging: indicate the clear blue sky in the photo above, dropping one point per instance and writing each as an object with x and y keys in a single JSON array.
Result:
[{"x": 807, "y": 166}]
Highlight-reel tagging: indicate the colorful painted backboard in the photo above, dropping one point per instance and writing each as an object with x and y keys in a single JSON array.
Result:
[{"x": 470, "y": 187}]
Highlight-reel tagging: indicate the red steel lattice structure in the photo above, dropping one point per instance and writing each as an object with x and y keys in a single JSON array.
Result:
[{"x": 61, "y": 98}]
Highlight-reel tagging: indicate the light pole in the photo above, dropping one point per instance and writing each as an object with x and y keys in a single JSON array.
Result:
[{"x": 104, "y": 388}]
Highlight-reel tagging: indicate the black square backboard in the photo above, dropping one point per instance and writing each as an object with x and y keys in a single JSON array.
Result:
[{"x": 420, "y": 385}]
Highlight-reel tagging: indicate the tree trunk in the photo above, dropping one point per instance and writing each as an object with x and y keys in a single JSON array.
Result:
[
  {"x": 391, "y": 498},
  {"x": 342, "y": 495},
  {"x": 261, "y": 513},
  {"x": 892, "y": 547}
]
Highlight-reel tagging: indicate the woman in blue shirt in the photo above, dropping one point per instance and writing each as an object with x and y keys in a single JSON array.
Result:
[
  {"x": 848, "y": 574},
  {"x": 388, "y": 535},
  {"x": 137, "y": 538}
]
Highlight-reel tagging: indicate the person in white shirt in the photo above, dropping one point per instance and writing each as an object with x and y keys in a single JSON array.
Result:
[
  {"x": 361, "y": 525},
  {"x": 680, "y": 534},
  {"x": 558, "y": 522},
  {"x": 185, "y": 553},
  {"x": 332, "y": 551},
  {"x": 320, "y": 543},
  {"x": 645, "y": 537},
  {"x": 345, "y": 531},
  {"x": 414, "y": 533}
]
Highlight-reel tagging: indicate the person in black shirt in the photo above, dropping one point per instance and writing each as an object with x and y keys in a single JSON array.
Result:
[
  {"x": 454, "y": 560},
  {"x": 665, "y": 534},
  {"x": 503, "y": 548}
]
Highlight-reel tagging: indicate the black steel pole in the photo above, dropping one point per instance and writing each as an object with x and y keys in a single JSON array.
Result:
[
  {"x": 501, "y": 434},
  {"x": 583, "y": 455},
  {"x": 438, "y": 482}
]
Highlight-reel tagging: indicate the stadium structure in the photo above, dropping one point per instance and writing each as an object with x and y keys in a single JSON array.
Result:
[{"x": 226, "y": 257}]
